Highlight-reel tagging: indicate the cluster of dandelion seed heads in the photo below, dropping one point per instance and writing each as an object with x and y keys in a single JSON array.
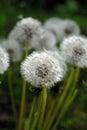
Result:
[
  {"x": 13, "y": 48},
  {"x": 74, "y": 50},
  {"x": 4, "y": 60},
  {"x": 42, "y": 69}
]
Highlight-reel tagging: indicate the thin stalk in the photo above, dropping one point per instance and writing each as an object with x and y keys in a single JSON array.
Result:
[
  {"x": 44, "y": 99},
  {"x": 12, "y": 95},
  {"x": 37, "y": 113},
  {"x": 75, "y": 79},
  {"x": 58, "y": 105},
  {"x": 22, "y": 106},
  {"x": 64, "y": 109},
  {"x": 49, "y": 114},
  {"x": 73, "y": 86},
  {"x": 35, "y": 121},
  {"x": 23, "y": 98},
  {"x": 28, "y": 123}
]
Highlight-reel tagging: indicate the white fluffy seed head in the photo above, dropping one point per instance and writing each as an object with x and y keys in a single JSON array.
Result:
[
  {"x": 42, "y": 69},
  {"x": 74, "y": 50},
  {"x": 57, "y": 54},
  {"x": 13, "y": 48},
  {"x": 45, "y": 40},
  {"x": 4, "y": 60},
  {"x": 69, "y": 28},
  {"x": 52, "y": 24},
  {"x": 63, "y": 28},
  {"x": 24, "y": 30},
  {"x": 52, "y": 20}
]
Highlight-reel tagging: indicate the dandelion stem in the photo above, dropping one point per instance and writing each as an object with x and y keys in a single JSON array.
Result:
[
  {"x": 75, "y": 79},
  {"x": 22, "y": 106},
  {"x": 12, "y": 95},
  {"x": 35, "y": 121},
  {"x": 27, "y": 125},
  {"x": 49, "y": 114},
  {"x": 65, "y": 108},
  {"x": 23, "y": 98},
  {"x": 60, "y": 101},
  {"x": 44, "y": 98},
  {"x": 37, "y": 113}
]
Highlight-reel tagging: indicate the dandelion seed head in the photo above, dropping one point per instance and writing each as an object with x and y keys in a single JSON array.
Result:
[
  {"x": 4, "y": 60},
  {"x": 66, "y": 29},
  {"x": 57, "y": 54},
  {"x": 70, "y": 28},
  {"x": 46, "y": 40},
  {"x": 42, "y": 69},
  {"x": 74, "y": 50},
  {"x": 13, "y": 48},
  {"x": 63, "y": 28},
  {"x": 25, "y": 29},
  {"x": 52, "y": 24}
]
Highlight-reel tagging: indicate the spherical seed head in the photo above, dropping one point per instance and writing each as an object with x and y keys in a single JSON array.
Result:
[
  {"x": 74, "y": 50},
  {"x": 45, "y": 40},
  {"x": 62, "y": 28},
  {"x": 4, "y": 60},
  {"x": 67, "y": 28},
  {"x": 57, "y": 54},
  {"x": 52, "y": 24},
  {"x": 52, "y": 20},
  {"x": 70, "y": 28},
  {"x": 13, "y": 48},
  {"x": 42, "y": 69},
  {"x": 24, "y": 30}
]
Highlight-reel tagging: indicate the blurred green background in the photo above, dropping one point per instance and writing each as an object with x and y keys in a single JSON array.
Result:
[{"x": 13, "y": 10}]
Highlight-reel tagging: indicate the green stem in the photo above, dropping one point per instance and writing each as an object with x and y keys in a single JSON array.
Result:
[
  {"x": 26, "y": 50},
  {"x": 22, "y": 106},
  {"x": 60, "y": 101},
  {"x": 49, "y": 114},
  {"x": 75, "y": 79},
  {"x": 28, "y": 123},
  {"x": 35, "y": 121},
  {"x": 12, "y": 95},
  {"x": 44, "y": 98},
  {"x": 23, "y": 98},
  {"x": 64, "y": 109},
  {"x": 37, "y": 113}
]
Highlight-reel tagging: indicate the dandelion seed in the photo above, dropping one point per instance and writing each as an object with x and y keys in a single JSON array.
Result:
[
  {"x": 4, "y": 60},
  {"x": 42, "y": 69},
  {"x": 74, "y": 50}
]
